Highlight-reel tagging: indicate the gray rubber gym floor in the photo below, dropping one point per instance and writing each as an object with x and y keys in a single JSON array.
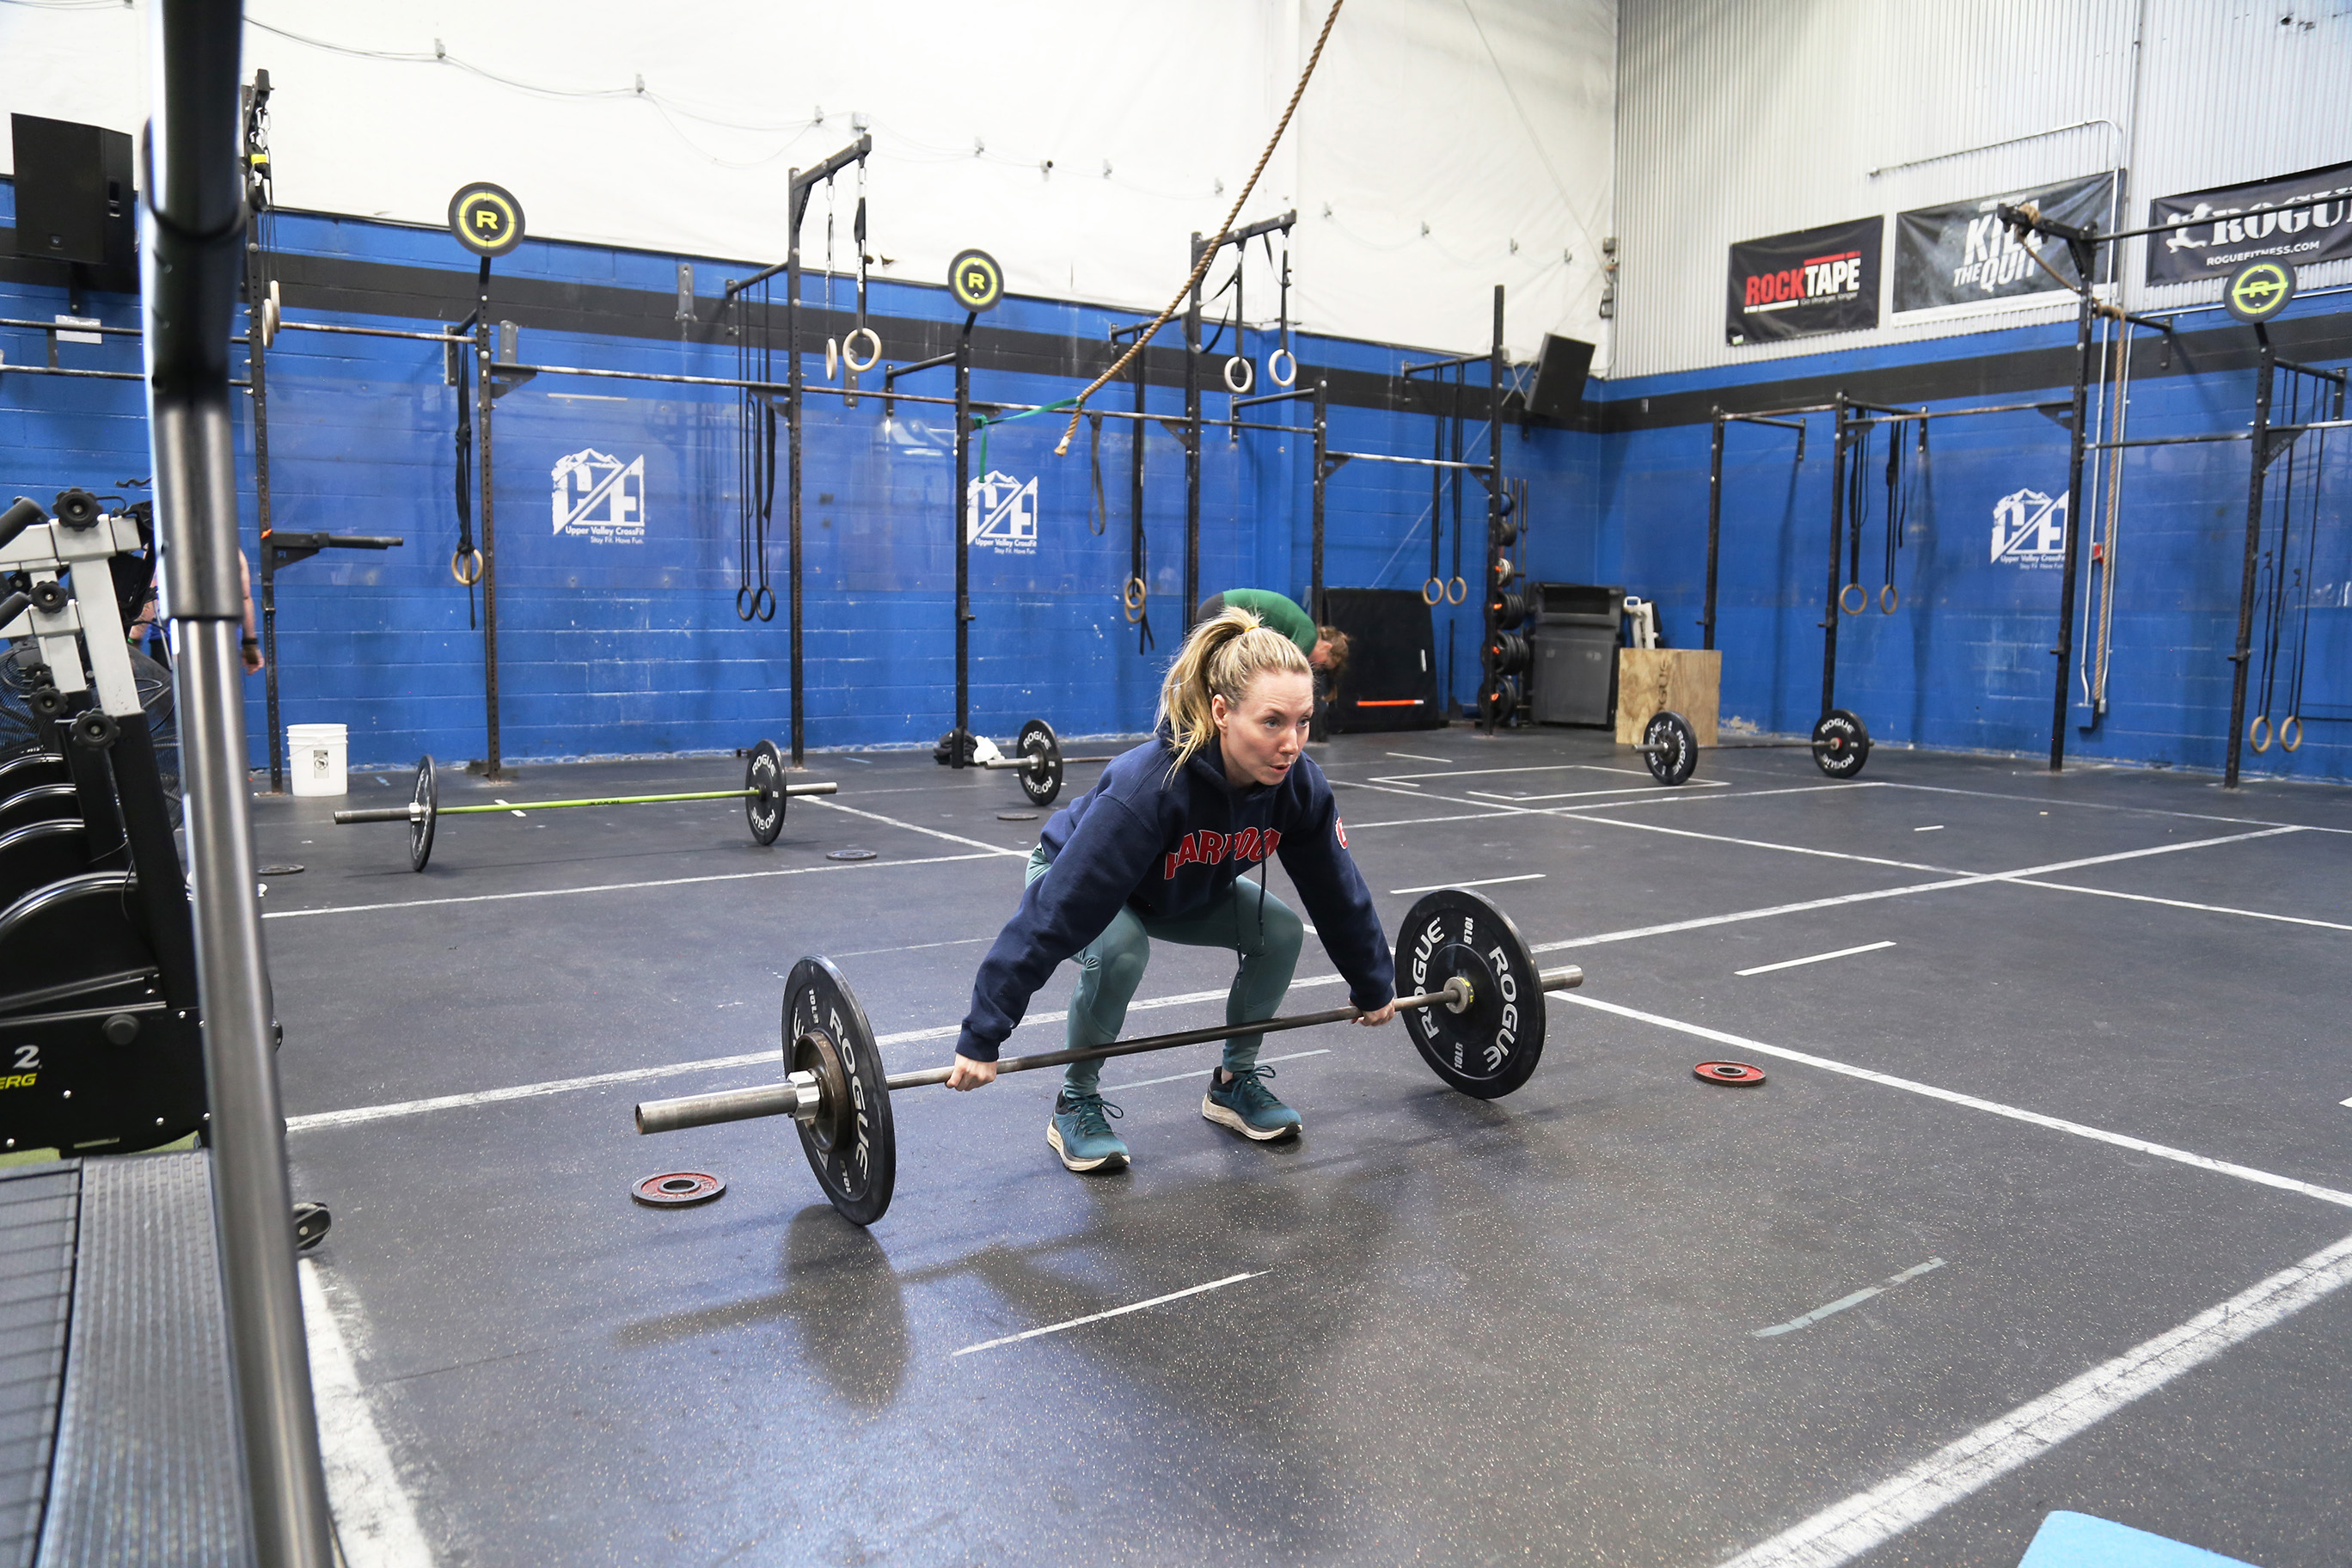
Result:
[{"x": 2065, "y": 1083}]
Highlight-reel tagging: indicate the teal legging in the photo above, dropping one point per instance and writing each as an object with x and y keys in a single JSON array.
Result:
[{"x": 1112, "y": 967}]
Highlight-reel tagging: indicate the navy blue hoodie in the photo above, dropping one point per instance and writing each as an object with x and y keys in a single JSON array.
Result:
[{"x": 1167, "y": 847}]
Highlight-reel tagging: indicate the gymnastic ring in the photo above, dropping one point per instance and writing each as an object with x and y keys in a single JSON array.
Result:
[
  {"x": 833, "y": 359},
  {"x": 1459, "y": 582},
  {"x": 1889, "y": 598},
  {"x": 2293, "y": 721},
  {"x": 746, "y": 601},
  {"x": 765, "y": 597},
  {"x": 848, "y": 349},
  {"x": 1861, "y": 600},
  {"x": 1438, "y": 584},
  {"x": 1284, "y": 379},
  {"x": 1133, "y": 593},
  {"x": 459, "y": 558},
  {"x": 2258, "y": 733},
  {"x": 1248, "y": 376}
]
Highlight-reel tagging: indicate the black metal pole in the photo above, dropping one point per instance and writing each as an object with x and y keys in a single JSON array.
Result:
[
  {"x": 256, "y": 290},
  {"x": 484, "y": 395},
  {"x": 1495, "y": 371},
  {"x": 1837, "y": 558},
  {"x": 959, "y": 746},
  {"x": 1714, "y": 527},
  {"x": 1314, "y": 552},
  {"x": 1192, "y": 443},
  {"x": 2265, "y": 375},
  {"x": 792, "y": 438},
  {"x": 2064, "y": 651}
]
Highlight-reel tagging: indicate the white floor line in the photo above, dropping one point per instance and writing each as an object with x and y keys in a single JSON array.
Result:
[
  {"x": 365, "y": 1113},
  {"x": 1768, "y": 844},
  {"x": 2047, "y": 801},
  {"x": 1484, "y": 772},
  {"x": 1195, "y": 1073},
  {"x": 2184, "y": 904},
  {"x": 1424, "y": 821},
  {"x": 1932, "y": 827},
  {"x": 1417, "y": 757},
  {"x": 1587, "y": 794},
  {"x": 826, "y": 800},
  {"x": 1815, "y": 958},
  {"x": 375, "y": 1523},
  {"x": 1991, "y": 1107},
  {"x": 1844, "y": 1530},
  {"x": 1481, "y": 882},
  {"x": 1974, "y": 879},
  {"x": 1843, "y": 1302},
  {"x": 611, "y": 887},
  {"x": 1114, "y": 1312},
  {"x": 912, "y": 947}
]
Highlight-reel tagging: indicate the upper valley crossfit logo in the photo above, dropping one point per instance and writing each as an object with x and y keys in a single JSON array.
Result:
[
  {"x": 2029, "y": 529},
  {"x": 600, "y": 499},
  {"x": 1001, "y": 514}
]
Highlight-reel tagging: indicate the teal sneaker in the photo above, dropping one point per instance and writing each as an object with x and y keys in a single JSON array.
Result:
[
  {"x": 1080, "y": 1131},
  {"x": 1247, "y": 1106}
]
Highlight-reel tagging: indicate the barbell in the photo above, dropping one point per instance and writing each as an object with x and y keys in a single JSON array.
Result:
[
  {"x": 1669, "y": 746},
  {"x": 1037, "y": 754},
  {"x": 763, "y": 794},
  {"x": 1476, "y": 1016}
]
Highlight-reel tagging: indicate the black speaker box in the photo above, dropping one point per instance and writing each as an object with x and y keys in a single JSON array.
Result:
[
  {"x": 74, "y": 196},
  {"x": 1390, "y": 682},
  {"x": 1561, "y": 371}
]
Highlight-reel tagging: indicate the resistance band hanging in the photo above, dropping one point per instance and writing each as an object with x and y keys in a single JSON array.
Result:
[
  {"x": 1432, "y": 592},
  {"x": 2283, "y": 584},
  {"x": 1457, "y": 587},
  {"x": 832, "y": 343},
  {"x": 755, "y": 465},
  {"x": 1099, "y": 519},
  {"x": 465, "y": 564},
  {"x": 1898, "y": 512},
  {"x": 2290, "y": 729}
]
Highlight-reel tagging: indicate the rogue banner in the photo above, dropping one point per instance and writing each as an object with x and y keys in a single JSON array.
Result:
[
  {"x": 2222, "y": 229},
  {"x": 1797, "y": 285},
  {"x": 1960, "y": 254}
]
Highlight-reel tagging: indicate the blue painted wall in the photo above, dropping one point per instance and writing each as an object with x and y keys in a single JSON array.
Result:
[
  {"x": 611, "y": 648},
  {"x": 1964, "y": 661}
]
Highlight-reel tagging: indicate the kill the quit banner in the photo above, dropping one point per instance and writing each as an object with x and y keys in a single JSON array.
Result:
[
  {"x": 2221, "y": 230},
  {"x": 1961, "y": 255},
  {"x": 1798, "y": 284}
]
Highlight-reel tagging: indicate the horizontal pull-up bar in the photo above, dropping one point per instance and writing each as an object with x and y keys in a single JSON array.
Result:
[
  {"x": 2335, "y": 375},
  {"x": 1295, "y": 392},
  {"x": 1897, "y": 417},
  {"x": 2168, "y": 440},
  {"x": 1448, "y": 363},
  {"x": 891, "y": 373},
  {"x": 1723, "y": 418},
  {"x": 1243, "y": 235},
  {"x": 1416, "y": 462},
  {"x": 71, "y": 326}
]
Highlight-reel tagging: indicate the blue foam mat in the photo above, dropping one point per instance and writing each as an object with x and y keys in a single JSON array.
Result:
[{"x": 2079, "y": 1540}]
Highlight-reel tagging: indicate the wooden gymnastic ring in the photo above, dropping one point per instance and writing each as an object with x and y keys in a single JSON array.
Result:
[
  {"x": 1439, "y": 599},
  {"x": 458, "y": 559},
  {"x": 1889, "y": 598},
  {"x": 2258, "y": 733},
  {"x": 1284, "y": 379},
  {"x": 1460, "y": 581},
  {"x": 2293, "y": 721},
  {"x": 1861, "y": 598},
  {"x": 1248, "y": 376},
  {"x": 848, "y": 349}
]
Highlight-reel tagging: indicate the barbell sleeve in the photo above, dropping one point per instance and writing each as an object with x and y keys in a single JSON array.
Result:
[{"x": 380, "y": 813}]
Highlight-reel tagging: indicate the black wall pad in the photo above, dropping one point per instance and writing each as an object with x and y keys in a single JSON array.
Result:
[
  {"x": 149, "y": 1470},
  {"x": 1390, "y": 682},
  {"x": 37, "y": 1208}
]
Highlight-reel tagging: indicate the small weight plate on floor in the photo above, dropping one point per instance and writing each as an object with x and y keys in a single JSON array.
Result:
[
  {"x": 1041, "y": 780},
  {"x": 281, "y": 870},
  {"x": 854, "y": 1146},
  {"x": 855, "y": 852},
  {"x": 1016, "y": 816},
  {"x": 1678, "y": 759},
  {"x": 426, "y": 796},
  {"x": 1491, "y": 1047},
  {"x": 1841, "y": 743},
  {"x": 1727, "y": 1072},
  {"x": 764, "y": 807},
  {"x": 678, "y": 1189}
]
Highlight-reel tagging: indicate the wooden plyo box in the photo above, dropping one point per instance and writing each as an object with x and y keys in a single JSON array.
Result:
[{"x": 1651, "y": 679}]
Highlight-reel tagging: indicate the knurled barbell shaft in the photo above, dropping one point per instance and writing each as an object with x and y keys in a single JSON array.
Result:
[
  {"x": 788, "y": 1098},
  {"x": 411, "y": 812},
  {"x": 1032, "y": 761}
]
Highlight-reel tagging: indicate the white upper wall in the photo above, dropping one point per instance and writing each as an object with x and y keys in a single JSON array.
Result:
[
  {"x": 1487, "y": 120},
  {"x": 1739, "y": 120}
]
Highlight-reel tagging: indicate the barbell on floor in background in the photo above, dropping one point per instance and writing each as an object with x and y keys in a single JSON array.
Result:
[
  {"x": 1669, "y": 747},
  {"x": 763, "y": 794},
  {"x": 1477, "y": 1016},
  {"x": 1037, "y": 754}
]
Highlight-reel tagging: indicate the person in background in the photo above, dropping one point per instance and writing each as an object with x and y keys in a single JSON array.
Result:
[
  {"x": 1326, "y": 647},
  {"x": 144, "y": 624}
]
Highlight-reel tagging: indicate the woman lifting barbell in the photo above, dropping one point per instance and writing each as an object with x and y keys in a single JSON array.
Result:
[{"x": 1158, "y": 848}]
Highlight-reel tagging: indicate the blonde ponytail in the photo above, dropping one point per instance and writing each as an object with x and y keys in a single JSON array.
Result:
[{"x": 1220, "y": 658}]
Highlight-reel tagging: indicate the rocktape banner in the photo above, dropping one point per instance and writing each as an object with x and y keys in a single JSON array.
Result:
[
  {"x": 1798, "y": 284},
  {"x": 2222, "y": 229},
  {"x": 1960, "y": 254}
]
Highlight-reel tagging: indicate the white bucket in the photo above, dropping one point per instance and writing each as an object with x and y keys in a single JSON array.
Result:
[{"x": 316, "y": 754}]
